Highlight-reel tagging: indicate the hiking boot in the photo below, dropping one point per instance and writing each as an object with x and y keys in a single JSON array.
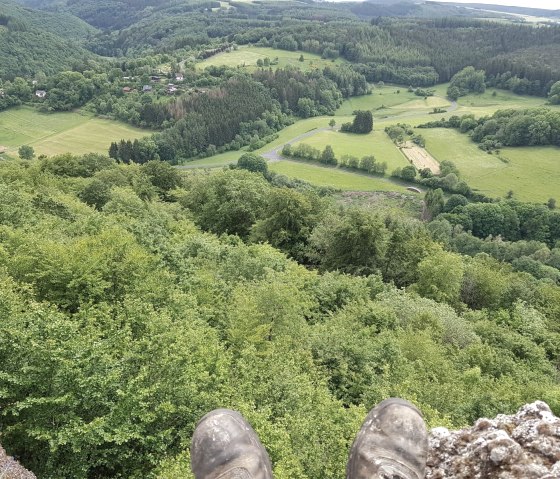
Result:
[
  {"x": 225, "y": 446},
  {"x": 392, "y": 443}
]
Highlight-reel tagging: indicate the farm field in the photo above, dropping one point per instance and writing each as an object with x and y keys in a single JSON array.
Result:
[
  {"x": 487, "y": 173},
  {"x": 376, "y": 143},
  {"x": 335, "y": 177},
  {"x": 391, "y": 100},
  {"x": 532, "y": 173},
  {"x": 248, "y": 57},
  {"x": 55, "y": 133}
]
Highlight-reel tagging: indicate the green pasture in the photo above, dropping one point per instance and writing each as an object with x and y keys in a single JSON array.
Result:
[
  {"x": 532, "y": 173},
  {"x": 284, "y": 136},
  {"x": 54, "y": 133},
  {"x": 334, "y": 177},
  {"x": 376, "y": 143},
  {"x": 391, "y": 100},
  {"x": 487, "y": 103},
  {"x": 248, "y": 57}
]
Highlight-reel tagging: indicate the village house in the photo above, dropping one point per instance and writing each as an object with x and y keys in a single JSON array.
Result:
[
  {"x": 146, "y": 89},
  {"x": 40, "y": 93},
  {"x": 171, "y": 89},
  {"x": 155, "y": 78},
  {"x": 127, "y": 89},
  {"x": 179, "y": 77}
]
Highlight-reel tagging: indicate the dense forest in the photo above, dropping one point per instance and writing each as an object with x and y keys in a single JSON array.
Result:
[
  {"x": 420, "y": 52},
  {"x": 135, "y": 296},
  {"x": 147, "y": 297}
]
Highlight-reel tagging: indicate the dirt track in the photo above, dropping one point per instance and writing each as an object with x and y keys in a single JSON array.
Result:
[{"x": 420, "y": 158}]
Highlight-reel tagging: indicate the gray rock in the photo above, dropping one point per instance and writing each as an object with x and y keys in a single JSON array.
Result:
[
  {"x": 525, "y": 445},
  {"x": 11, "y": 469}
]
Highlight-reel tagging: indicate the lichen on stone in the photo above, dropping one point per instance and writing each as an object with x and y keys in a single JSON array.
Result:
[{"x": 525, "y": 445}]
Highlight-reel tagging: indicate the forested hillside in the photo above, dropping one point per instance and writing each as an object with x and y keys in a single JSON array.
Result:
[
  {"x": 412, "y": 250},
  {"x": 34, "y": 43},
  {"x": 125, "y": 317},
  {"x": 420, "y": 52}
]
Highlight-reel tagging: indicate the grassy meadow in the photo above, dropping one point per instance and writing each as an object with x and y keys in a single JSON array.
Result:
[
  {"x": 487, "y": 103},
  {"x": 55, "y": 133},
  {"x": 391, "y": 100},
  {"x": 248, "y": 57},
  {"x": 532, "y": 172},
  {"x": 335, "y": 177},
  {"x": 376, "y": 143}
]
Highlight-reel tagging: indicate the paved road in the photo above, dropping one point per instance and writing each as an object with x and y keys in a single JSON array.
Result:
[{"x": 274, "y": 154}]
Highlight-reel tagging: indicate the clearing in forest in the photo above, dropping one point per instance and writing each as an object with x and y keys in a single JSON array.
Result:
[
  {"x": 249, "y": 56},
  {"x": 420, "y": 158}
]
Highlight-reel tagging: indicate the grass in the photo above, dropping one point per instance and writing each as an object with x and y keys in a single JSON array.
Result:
[
  {"x": 335, "y": 177},
  {"x": 248, "y": 57},
  {"x": 55, "y": 133},
  {"x": 376, "y": 143},
  {"x": 284, "y": 136},
  {"x": 487, "y": 103},
  {"x": 532, "y": 173},
  {"x": 384, "y": 100}
]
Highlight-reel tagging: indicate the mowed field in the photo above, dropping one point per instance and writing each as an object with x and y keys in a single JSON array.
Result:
[
  {"x": 335, "y": 177},
  {"x": 391, "y": 100},
  {"x": 376, "y": 143},
  {"x": 487, "y": 103},
  {"x": 248, "y": 57},
  {"x": 532, "y": 173},
  {"x": 55, "y": 133}
]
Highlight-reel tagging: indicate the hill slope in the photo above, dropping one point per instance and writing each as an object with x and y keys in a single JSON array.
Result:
[{"x": 33, "y": 42}]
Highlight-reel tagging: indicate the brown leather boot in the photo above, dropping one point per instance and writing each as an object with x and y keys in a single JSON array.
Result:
[
  {"x": 225, "y": 446},
  {"x": 392, "y": 443}
]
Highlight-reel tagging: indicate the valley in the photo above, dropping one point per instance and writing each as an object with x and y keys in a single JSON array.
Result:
[{"x": 291, "y": 209}]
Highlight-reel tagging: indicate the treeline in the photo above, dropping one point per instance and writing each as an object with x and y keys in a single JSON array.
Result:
[
  {"x": 148, "y": 297},
  {"x": 468, "y": 80},
  {"x": 511, "y": 220},
  {"x": 406, "y": 51},
  {"x": 533, "y": 257},
  {"x": 305, "y": 94},
  {"x": 536, "y": 126},
  {"x": 423, "y": 52},
  {"x": 303, "y": 151}
]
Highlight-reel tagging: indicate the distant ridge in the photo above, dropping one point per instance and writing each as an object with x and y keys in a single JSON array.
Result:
[{"x": 536, "y": 12}]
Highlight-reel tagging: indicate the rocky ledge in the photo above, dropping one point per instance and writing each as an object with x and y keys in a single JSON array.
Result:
[
  {"x": 525, "y": 445},
  {"x": 10, "y": 469}
]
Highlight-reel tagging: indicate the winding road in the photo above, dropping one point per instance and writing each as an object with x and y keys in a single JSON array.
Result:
[{"x": 274, "y": 155}]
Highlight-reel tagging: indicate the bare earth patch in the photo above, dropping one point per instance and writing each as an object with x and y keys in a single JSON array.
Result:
[
  {"x": 3, "y": 149},
  {"x": 420, "y": 158}
]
